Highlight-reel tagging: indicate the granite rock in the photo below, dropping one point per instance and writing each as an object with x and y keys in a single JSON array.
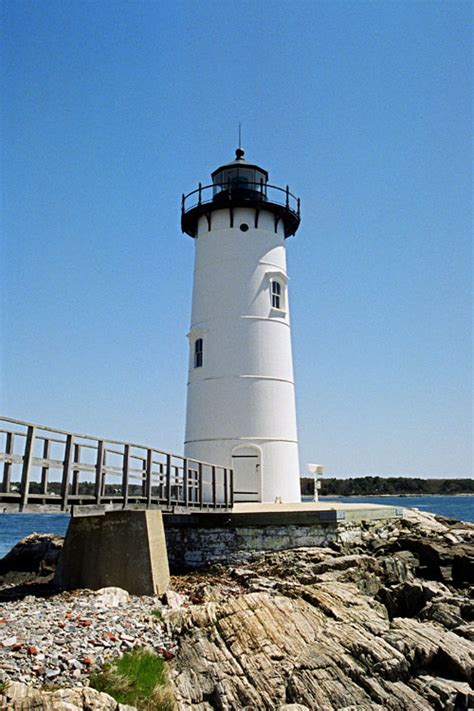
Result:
[
  {"x": 376, "y": 627},
  {"x": 73, "y": 699},
  {"x": 380, "y": 621}
]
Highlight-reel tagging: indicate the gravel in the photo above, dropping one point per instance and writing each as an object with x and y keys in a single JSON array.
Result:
[{"x": 56, "y": 641}]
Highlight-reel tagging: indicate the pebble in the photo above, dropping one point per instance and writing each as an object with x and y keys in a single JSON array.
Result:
[{"x": 60, "y": 639}]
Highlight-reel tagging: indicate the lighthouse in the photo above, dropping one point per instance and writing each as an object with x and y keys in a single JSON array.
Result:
[{"x": 241, "y": 395}]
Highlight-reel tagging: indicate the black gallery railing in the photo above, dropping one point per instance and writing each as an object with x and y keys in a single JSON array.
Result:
[
  {"x": 212, "y": 194},
  {"x": 46, "y": 469}
]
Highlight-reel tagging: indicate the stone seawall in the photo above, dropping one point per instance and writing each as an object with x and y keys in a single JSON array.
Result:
[{"x": 192, "y": 544}]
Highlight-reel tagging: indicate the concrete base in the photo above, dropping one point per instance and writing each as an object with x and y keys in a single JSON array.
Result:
[
  {"x": 124, "y": 549},
  {"x": 254, "y": 528}
]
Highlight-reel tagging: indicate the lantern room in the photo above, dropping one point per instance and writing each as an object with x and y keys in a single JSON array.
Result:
[
  {"x": 240, "y": 184},
  {"x": 240, "y": 178}
]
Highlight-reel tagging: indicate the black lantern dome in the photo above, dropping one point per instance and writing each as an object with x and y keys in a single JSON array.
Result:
[{"x": 240, "y": 184}]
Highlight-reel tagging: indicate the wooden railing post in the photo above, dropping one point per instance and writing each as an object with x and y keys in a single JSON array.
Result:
[
  {"x": 66, "y": 472},
  {"x": 200, "y": 484},
  {"x": 76, "y": 470},
  {"x": 226, "y": 493},
  {"x": 149, "y": 467},
  {"x": 168, "y": 480},
  {"x": 161, "y": 486},
  {"x": 185, "y": 482},
  {"x": 232, "y": 488},
  {"x": 104, "y": 472},
  {"x": 214, "y": 493},
  {"x": 125, "y": 473},
  {"x": 99, "y": 471},
  {"x": 7, "y": 467},
  {"x": 143, "y": 494},
  {"x": 26, "y": 469},
  {"x": 45, "y": 468}
]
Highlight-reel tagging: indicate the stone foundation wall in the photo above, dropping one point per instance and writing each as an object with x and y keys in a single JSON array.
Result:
[{"x": 192, "y": 546}]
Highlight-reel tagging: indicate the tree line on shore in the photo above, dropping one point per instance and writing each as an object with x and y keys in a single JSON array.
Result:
[{"x": 394, "y": 486}]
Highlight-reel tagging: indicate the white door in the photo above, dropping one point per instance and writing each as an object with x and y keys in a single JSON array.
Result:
[{"x": 246, "y": 463}]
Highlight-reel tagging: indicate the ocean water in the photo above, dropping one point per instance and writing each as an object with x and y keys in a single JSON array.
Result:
[
  {"x": 459, "y": 507},
  {"x": 16, "y": 526}
]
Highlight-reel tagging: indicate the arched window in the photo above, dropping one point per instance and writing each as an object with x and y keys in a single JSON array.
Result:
[
  {"x": 198, "y": 353},
  {"x": 276, "y": 294}
]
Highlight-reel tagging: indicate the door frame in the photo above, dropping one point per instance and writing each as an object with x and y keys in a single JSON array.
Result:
[{"x": 251, "y": 496}]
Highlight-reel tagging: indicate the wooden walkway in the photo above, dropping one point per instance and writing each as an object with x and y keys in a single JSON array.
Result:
[{"x": 46, "y": 470}]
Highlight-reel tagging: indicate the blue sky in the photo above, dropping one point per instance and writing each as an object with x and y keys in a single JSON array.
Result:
[{"x": 112, "y": 109}]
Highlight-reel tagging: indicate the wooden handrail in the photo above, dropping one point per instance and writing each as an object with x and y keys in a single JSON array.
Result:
[{"x": 114, "y": 473}]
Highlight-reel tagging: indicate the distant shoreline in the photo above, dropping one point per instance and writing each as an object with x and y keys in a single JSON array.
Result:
[
  {"x": 377, "y": 486},
  {"x": 390, "y": 496}
]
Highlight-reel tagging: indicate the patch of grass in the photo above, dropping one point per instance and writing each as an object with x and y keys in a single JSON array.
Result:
[
  {"x": 157, "y": 613},
  {"x": 138, "y": 678},
  {"x": 4, "y": 686}
]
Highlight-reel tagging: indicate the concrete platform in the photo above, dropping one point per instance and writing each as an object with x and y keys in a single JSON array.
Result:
[
  {"x": 318, "y": 507},
  {"x": 304, "y": 513}
]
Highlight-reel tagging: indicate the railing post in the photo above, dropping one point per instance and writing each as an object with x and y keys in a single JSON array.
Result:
[
  {"x": 45, "y": 468},
  {"x": 104, "y": 472},
  {"x": 287, "y": 196},
  {"x": 125, "y": 471},
  {"x": 66, "y": 472},
  {"x": 149, "y": 467},
  {"x": 226, "y": 493},
  {"x": 182, "y": 202},
  {"x": 7, "y": 467},
  {"x": 214, "y": 497},
  {"x": 200, "y": 193},
  {"x": 161, "y": 485},
  {"x": 27, "y": 461},
  {"x": 168, "y": 480},
  {"x": 200, "y": 483},
  {"x": 99, "y": 471},
  {"x": 76, "y": 470},
  {"x": 185, "y": 482},
  {"x": 143, "y": 461},
  {"x": 231, "y": 488}
]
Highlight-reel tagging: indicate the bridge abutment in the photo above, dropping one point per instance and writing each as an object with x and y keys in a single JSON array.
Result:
[{"x": 125, "y": 549}]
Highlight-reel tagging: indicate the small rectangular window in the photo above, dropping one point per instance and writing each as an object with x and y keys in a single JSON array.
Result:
[
  {"x": 276, "y": 295},
  {"x": 198, "y": 353}
]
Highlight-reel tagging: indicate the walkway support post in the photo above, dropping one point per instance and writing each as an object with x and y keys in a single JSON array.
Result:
[{"x": 125, "y": 549}]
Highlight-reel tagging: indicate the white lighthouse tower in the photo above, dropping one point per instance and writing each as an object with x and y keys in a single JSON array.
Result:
[{"x": 241, "y": 395}]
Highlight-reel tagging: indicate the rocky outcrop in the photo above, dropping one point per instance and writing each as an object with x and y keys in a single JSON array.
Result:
[
  {"x": 35, "y": 555},
  {"x": 381, "y": 621},
  {"x": 19, "y": 697},
  {"x": 384, "y": 626}
]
